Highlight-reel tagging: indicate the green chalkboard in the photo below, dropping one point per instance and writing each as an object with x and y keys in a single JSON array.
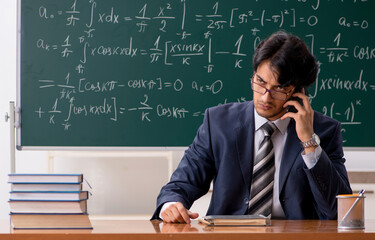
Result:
[{"x": 138, "y": 73}]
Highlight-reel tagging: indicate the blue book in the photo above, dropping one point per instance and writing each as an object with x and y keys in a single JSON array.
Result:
[
  {"x": 55, "y": 221},
  {"x": 46, "y": 187},
  {"x": 48, "y": 207},
  {"x": 44, "y": 178},
  {"x": 49, "y": 195}
]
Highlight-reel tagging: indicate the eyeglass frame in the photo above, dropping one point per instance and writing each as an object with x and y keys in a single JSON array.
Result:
[{"x": 270, "y": 90}]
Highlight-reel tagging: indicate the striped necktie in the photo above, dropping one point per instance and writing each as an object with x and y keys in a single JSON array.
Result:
[{"x": 263, "y": 175}]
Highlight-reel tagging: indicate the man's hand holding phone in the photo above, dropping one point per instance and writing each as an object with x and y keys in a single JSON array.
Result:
[{"x": 304, "y": 117}]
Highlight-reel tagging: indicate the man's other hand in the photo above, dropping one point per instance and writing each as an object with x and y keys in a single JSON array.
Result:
[{"x": 177, "y": 213}]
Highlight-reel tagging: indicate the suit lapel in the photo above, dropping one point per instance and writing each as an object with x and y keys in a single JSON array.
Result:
[
  {"x": 291, "y": 151},
  {"x": 245, "y": 144}
]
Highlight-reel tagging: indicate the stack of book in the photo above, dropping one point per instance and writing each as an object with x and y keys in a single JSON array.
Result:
[{"x": 48, "y": 201}]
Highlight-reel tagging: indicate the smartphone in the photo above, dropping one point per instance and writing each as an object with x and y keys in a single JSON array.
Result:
[{"x": 299, "y": 100}]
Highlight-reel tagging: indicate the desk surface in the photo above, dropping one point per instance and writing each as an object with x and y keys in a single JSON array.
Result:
[{"x": 144, "y": 229}]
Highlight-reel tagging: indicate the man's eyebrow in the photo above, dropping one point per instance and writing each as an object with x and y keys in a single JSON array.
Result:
[
  {"x": 260, "y": 77},
  {"x": 278, "y": 85}
]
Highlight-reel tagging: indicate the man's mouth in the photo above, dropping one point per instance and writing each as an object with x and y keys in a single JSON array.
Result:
[{"x": 264, "y": 106}]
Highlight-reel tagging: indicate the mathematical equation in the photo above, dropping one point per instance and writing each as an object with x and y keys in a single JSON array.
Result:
[{"x": 110, "y": 106}]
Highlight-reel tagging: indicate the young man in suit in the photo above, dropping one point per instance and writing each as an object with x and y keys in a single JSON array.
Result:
[{"x": 303, "y": 158}]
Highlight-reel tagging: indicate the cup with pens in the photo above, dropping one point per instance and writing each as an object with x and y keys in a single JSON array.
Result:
[{"x": 351, "y": 210}]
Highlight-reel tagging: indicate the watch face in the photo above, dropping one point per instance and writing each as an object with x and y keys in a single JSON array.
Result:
[{"x": 316, "y": 139}]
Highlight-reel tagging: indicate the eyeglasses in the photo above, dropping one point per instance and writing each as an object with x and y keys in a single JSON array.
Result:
[{"x": 277, "y": 95}]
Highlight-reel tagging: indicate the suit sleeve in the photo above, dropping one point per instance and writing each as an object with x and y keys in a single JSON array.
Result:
[
  {"x": 328, "y": 177},
  {"x": 193, "y": 176}
]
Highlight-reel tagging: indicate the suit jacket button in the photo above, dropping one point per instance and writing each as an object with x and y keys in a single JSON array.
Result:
[{"x": 246, "y": 202}]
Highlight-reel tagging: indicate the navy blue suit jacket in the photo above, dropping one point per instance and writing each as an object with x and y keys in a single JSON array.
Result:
[{"x": 222, "y": 151}]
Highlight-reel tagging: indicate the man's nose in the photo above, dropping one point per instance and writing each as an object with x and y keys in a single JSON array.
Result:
[{"x": 267, "y": 97}]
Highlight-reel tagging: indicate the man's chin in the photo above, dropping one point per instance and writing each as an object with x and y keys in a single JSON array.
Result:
[{"x": 271, "y": 115}]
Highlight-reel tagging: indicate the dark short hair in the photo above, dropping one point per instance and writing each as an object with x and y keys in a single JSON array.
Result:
[{"x": 289, "y": 57}]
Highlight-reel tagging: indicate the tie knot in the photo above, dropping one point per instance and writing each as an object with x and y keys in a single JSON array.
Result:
[{"x": 269, "y": 128}]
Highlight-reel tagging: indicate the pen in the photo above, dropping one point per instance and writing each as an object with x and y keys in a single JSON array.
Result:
[{"x": 354, "y": 204}]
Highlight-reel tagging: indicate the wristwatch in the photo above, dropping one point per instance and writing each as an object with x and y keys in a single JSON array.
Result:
[{"x": 314, "y": 141}]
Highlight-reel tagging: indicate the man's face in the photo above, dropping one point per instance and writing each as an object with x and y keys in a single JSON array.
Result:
[{"x": 265, "y": 105}]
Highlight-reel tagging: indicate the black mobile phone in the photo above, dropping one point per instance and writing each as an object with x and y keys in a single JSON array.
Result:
[
  {"x": 299, "y": 100},
  {"x": 292, "y": 108}
]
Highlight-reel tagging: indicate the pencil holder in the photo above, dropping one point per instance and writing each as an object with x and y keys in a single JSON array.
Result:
[{"x": 351, "y": 211}]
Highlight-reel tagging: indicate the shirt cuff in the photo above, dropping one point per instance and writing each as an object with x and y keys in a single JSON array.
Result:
[
  {"x": 165, "y": 206},
  {"x": 312, "y": 158}
]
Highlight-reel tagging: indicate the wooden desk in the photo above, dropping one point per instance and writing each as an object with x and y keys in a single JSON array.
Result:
[{"x": 144, "y": 229}]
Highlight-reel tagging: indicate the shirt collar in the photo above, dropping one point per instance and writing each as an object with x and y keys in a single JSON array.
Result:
[{"x": 282, "y": 125}]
